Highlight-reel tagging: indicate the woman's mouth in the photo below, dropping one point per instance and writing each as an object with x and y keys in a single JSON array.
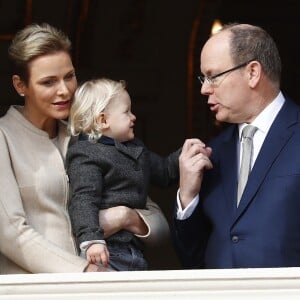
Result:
[{"x": 62, "y": 104}]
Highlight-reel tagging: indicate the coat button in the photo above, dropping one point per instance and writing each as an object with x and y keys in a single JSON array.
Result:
[
  {"x": 136, "y": 167},
  {"x": 235, "y": 239}
]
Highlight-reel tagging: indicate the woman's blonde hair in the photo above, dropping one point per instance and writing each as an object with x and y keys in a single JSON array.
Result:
[
  {"x": 33, "y": 41},
  {"x": 90, "y": 99}
]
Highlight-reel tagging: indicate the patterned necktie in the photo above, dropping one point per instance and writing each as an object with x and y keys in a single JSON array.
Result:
[{"x": 247, "y": 146}]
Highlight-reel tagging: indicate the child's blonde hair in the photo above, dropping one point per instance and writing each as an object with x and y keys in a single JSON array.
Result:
[{"x": 90, "y": 99}]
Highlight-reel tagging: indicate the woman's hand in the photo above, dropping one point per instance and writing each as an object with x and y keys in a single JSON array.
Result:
[{"x": 119, "y": 218}]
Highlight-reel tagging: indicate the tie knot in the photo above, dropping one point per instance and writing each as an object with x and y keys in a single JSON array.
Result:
[{"x": 249, "y": 131}]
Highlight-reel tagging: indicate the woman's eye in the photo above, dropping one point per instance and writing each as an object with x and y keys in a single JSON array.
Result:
[
  {"x": 48, "y": 82},
  {"x": 70, "y": 76}
]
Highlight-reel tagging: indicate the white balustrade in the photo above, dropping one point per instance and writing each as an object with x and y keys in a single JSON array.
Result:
[{"x": 279, "y": 283}]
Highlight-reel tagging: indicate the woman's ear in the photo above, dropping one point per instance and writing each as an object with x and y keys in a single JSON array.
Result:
[
  {"x": 19, "y": 85},
  {"x": 102, "y": 121}
]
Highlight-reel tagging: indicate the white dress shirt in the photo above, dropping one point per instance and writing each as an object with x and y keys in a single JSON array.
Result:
[{"x": 263, "y": 122}]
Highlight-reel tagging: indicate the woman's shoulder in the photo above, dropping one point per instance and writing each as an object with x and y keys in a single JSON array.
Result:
[
  {"x": 11, "y": 123},
  {"x": 6, "y": 118}
]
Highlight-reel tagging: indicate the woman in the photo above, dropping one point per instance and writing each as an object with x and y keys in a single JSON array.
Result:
[{"x": 35, "y": 231}]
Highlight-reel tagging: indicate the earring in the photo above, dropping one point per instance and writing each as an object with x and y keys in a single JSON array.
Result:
[{"x": 22, "y": 95}]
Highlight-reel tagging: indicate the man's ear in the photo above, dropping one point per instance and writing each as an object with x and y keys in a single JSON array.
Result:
[
  {"x": 19, "y": 85},
  {"x": 102, "y": 121},
  {"x": 254, "y": 73}
]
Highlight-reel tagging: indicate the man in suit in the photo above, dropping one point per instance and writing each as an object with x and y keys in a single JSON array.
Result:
[{"x": 241, "y": 70}]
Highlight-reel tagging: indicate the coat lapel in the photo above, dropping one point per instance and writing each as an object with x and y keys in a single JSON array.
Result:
[
  {"x": 278, "y": 136},
  {"x": 130, "y": 149},
  {"x": 63, "y": 137}
]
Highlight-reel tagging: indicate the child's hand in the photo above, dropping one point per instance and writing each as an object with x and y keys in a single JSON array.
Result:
[{"x": 98, "y": 253}]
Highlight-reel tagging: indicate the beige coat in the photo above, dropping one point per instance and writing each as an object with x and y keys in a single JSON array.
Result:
[{"x": 35, "y": 231}]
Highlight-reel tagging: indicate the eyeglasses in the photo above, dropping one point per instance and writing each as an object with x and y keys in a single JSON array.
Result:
[{"x": 213, "y": 80}]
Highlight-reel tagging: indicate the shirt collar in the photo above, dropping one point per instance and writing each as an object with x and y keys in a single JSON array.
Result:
[
  {"x": 106, "y": 140},
  {"x": 266, "y": 117}
]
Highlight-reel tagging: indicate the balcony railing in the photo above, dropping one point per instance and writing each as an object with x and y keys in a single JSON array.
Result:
[{"x": 281, "y": 283}]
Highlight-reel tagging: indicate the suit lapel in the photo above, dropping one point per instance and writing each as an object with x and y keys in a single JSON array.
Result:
[
  {"x": 228, "y": 166},
  {"x": 277, "y": 138}
]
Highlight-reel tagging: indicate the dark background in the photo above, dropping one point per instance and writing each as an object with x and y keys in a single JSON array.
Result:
[{"x": 154, "y": 45}]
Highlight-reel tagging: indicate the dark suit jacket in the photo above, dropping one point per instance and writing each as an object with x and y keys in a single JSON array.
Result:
[
  {"x": 107, "y": 174},
  {"x": 264, "y": 231}
]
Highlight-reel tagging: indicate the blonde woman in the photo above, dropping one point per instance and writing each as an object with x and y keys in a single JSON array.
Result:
[{"x": 35, "y": 229}]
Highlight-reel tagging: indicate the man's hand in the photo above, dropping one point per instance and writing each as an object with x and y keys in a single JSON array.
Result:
[{"x": 193, "y": 160}]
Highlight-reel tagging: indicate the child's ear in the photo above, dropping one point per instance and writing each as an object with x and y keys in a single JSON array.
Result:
[{"x": 102, "y": 120}]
